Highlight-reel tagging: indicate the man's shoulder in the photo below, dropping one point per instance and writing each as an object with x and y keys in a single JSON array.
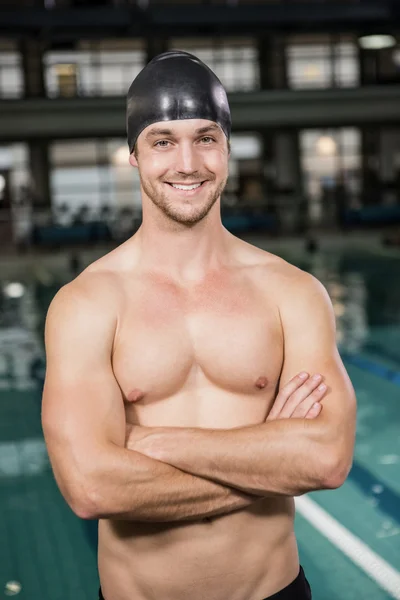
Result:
[
  {"x": 272, "y": 265},
  {"x": 93, "y": 292},
  {"x": 102, "y": 279},
  {"x": 286, "y": 281},
  {"x": 297, "y": 292},
  {"x": 294, "y": 282}
]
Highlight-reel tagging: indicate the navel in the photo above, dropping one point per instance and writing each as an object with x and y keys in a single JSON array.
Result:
[
  {"x": 261, "y": 383},
  {"x": 135, "y": 395}
]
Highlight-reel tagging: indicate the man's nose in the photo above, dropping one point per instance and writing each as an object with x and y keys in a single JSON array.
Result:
[{"x": 186, "y": 160}]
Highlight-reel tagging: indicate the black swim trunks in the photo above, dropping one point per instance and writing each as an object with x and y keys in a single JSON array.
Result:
[{"x": 299, "y": 589}]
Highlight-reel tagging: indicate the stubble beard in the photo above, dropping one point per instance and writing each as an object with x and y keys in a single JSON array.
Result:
[{"x": 172, "y": 212}]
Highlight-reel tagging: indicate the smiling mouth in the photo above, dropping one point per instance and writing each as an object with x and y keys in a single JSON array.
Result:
[{"x": 186, "y": 187}]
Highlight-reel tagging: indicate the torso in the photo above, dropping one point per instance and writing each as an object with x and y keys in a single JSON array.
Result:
[{"x": 206, "y": 355}]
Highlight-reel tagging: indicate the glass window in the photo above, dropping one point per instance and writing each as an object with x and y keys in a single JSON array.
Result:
[
  {"x": 124, "y": 177},
  {"x": 246, "y": 146},
  {"x": 236, "y": 65},
  {"x": 322, "y": 65},
  {"x": 11, "y": 77},
  {"x": 346, "y": 67},
  {"x": 14, "y": 184},
  {"x": 14, "y": 161},
  {"x": 330, "y": 158},
  {"x": 92, "y": 72},
  {"x": 91, "y": 175}
]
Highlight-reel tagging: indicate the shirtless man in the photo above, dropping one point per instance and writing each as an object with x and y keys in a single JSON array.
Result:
[{"x": 174, "y": 408}]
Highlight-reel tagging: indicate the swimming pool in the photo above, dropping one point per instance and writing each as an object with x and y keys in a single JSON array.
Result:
[{"x": 349, "y": 549}]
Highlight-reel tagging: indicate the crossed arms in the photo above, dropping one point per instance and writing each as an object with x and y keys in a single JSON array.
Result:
[{"x": 175, "y": 474}]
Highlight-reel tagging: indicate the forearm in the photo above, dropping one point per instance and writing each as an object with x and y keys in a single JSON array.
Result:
[
  {"x": 278, "y": 457},
  {"x": 283, "y": 457},
  {"x": 131, "y": 486}
]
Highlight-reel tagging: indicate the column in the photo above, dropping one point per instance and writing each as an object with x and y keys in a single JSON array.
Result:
[
  {"x": 289, "y": 181},
  {"x": 32, "y": 65},
  {"x": 272, "y": 63},
  {"x": 40, "y": 172},
  {"x": 368, "y": 64},
  {"x": 370, "y": 165},
  {"x": 155, "y": 45},
  {"x": 32, "y": 60}
]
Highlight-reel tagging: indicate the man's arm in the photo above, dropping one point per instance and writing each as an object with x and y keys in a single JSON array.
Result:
[
  {"x": 290, "y": 456},
  {"x": 84, "y": 425}
]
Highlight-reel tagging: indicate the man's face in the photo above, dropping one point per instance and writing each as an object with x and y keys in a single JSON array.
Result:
[{"x": 183, "y": 167}]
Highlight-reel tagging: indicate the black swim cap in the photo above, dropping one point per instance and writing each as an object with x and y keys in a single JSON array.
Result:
[{"x": 175, "y": 85}]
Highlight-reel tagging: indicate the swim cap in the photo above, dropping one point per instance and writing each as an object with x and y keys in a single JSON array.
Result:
[{"x": 173, "y": 86}]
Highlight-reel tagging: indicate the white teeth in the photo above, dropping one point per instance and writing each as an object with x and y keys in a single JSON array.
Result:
[{"x": 186, "y": 187}]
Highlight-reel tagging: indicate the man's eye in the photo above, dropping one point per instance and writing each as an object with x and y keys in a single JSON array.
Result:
[
  {"x": 207, "y": 139},
  {"x": 162, "y": 143}
]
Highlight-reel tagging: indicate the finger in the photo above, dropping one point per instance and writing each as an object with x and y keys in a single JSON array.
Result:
[
  {"x": 316, "y": 396},
  {"x": 285, "y": 393},
  {"x": 300, "y": 395},
  {"x": 314, "y": 411}
]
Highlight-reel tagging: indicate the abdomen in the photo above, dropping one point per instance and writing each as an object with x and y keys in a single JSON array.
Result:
[{"x": 218, "y": 559}]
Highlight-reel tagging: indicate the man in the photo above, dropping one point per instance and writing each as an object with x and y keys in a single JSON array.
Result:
[{"x": 179, "y": 407}]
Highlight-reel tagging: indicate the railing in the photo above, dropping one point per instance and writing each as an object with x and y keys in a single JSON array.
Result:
[
  {"x": 144, "y": 3},
  {"x": 286, "y": 214},
  {"x": 60, "y": 4}
]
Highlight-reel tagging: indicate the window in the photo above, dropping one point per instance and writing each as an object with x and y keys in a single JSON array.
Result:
[
  {"x": 322, "y": 65},
  {"x": 92, "y": 174},
  {"x": 11, "y": 77},
  {"x": 330, "y": 158},
  {"x": 234, "y": 63},
  {"x": 14, "y": 161},
  {"x": 92, "y": 72}
]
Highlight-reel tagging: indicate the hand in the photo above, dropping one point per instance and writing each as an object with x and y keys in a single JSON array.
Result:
[{"x": 299, "y": 399}]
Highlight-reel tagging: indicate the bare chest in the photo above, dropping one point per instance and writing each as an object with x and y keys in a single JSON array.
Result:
[{"x": 177, "y": 357}]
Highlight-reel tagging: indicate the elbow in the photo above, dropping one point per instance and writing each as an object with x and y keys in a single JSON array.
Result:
[
  {"x": 84, "y": 509},
  {"x": 84, "y": 500},
  {"x": 336, "y": 471},
  {"x": 81, "y": 510},
  {"x": 83, "y": 505}
]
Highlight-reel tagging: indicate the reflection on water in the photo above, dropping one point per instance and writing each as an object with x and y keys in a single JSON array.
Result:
[
  {"x": 23, "y": 457},
  {"x": 21, "y": 350},
  {"x": 348, "y": 292},
  {"x": 365, "y": 293},
  {"x": 349, "y": 305},
  {"x": 21, "y": 358}
]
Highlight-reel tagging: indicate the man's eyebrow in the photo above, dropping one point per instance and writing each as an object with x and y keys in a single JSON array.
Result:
[
  {"x": 208, "y": 128},
  {"x": 156, "y": 132}
]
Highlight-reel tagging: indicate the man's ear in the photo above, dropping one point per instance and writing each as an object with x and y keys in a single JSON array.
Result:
[{"x": 133, "y": 160}]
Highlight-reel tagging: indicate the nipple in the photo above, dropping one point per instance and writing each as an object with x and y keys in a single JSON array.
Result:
[
  {"x": 135, "y": 395},
  {"x": 261, "y": 383}
]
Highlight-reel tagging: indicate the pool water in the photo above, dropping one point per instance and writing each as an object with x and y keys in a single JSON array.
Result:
[{"x": 47, "y": 553}]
